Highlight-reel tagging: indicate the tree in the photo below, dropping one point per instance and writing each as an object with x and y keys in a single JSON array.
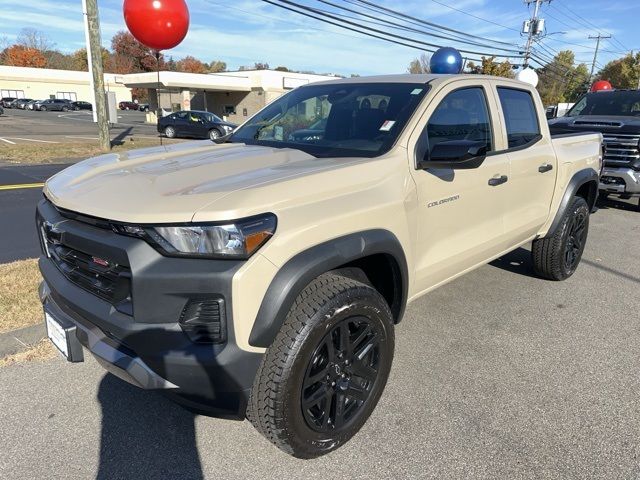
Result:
[
  {"x": 131, "y": 53},
  {"x": 623, "y": 72},
  {"x": 32, "y": 38},
  {"x": 216, "y": 66},
  {"x": 282, "y": 69},
  {"x": 191, "y": 64},
  {"x": 59, "y": 60},
  {"x": 420, "y": 64},
  {"x": 489, "y": 66},
  {"x": 80, "y": 60},
  {"x": 20, "y": 56},
  {"x": 560, "y": 81}
]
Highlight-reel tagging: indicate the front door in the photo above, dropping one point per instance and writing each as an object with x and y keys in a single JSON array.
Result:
[{"x": 460, "y": 212}]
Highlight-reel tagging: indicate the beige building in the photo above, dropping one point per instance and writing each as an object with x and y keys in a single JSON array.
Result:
[
  {"x": 44, "y": 83},
  {"x": 233, "y": 95}
]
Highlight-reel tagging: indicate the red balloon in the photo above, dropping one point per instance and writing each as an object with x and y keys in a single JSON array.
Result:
[
  {"x": 158, "y": 24},
  {"x": 601, "y": 85}
]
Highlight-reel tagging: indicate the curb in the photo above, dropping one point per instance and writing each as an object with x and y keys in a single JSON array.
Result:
[{"x": 16, "y": 340}]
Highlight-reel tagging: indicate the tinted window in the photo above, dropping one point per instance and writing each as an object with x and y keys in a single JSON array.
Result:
[
  {"x": 462, "y": 115},
  {"x": 520, "y": 115},
  {"x": 335, "y": 119},
  {"x": 608, "y": 103}
]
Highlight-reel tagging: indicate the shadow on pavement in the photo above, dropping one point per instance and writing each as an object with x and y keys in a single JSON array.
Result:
[
  {"x": 518, "y": 261},
  {"x": 144, "y": 435}
]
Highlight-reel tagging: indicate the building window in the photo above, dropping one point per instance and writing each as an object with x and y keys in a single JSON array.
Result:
[
  {"x": 66, "y": 96},
  {"x": 12, "y": 93},
  {"x": 229, "y": 110}
]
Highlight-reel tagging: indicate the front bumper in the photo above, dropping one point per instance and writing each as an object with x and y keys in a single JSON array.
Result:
[
  {"x": 144, "y": 343},
  {"x": 624, "y": 181}
]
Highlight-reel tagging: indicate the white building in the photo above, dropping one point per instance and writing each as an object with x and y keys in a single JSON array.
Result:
[{"x": 234, "y": 95}]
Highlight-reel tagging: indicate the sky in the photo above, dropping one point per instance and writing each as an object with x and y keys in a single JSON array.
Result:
[{"x": 241, "y": 32}]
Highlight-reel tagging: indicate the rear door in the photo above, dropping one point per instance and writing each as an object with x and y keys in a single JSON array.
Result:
[
  {"x": 460, "y": 212},
  {"x": 533, "y": 161},
  {"x": 180, "y": 122}
]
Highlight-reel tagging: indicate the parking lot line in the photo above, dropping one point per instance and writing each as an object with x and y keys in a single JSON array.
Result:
[
  {"x": 8, "y": 141},
  {"x": 84, "y": 138},
  {"x": 21, "y": 185},
  {"x": 32, "y": 140}
]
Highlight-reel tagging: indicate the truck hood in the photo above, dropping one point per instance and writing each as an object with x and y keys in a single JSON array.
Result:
[
  {"x": 170, "y": 184},
  {"x": 596, "y": 123}
]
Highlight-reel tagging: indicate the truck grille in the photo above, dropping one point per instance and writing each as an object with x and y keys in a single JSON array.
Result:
[
  {"x": 105, "y": 279},
  {"x": 621, "y": 150}
]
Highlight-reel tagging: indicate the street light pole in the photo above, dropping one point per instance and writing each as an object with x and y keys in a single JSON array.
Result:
[{"x": 94, "y": 59}]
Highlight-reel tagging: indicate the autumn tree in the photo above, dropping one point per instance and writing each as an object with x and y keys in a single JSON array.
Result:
[
  {"x": 191, "y": 64},
  {"x": 561, "y": 80},
  {"x": 216, "y": 66},
  {"x": 489, "y": 66},
  {"x": 420, "y": 64},
  {"x": 129, "y": 54},
  {"x": 80, "y": 60},
  {"x": 20, "y": 56},
  {"x": 623, "y": 72}
]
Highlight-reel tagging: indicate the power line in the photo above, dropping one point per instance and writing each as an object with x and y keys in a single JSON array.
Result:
[
  {"x": 404, "y": 27},
  {"x": 322, "y": 16},
  {"x": 476, "y": 16}
]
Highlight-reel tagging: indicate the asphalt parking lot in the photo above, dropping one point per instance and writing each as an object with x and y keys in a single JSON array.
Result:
[
  {"x": 498, "y": 374},
  {"x": 31, "y": 127}
]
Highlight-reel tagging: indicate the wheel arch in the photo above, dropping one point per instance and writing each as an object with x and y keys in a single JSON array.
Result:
[
  {"x": 584, "y": 183},
  {"x": 378, "y": 253}
]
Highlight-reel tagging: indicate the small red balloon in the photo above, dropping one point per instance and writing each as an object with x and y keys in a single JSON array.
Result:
[
  {"x": 158, "y": 24},
  {"x": 601, "y": 85}
]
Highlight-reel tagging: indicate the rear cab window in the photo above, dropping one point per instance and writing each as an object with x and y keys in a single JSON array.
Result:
[{"x": 520, "y": 116}]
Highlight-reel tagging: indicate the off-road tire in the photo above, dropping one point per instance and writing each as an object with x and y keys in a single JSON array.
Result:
[
  {"x": 170, "y": 132},
  {"x": 550, "y": 254},
  {"x": 275, "y": 404}
]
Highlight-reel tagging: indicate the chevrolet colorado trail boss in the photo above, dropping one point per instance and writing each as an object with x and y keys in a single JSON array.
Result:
[
  {"x": 615, "y": 114},
  {"x": 263, "y": 276}
]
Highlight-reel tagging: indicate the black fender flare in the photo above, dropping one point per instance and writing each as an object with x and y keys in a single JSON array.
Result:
[
  {"x": 579, "y": 179},
  {"x": 301, "y": 269}
]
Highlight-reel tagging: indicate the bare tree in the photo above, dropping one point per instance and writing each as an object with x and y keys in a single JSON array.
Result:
[{"x": 32, "y": 38}]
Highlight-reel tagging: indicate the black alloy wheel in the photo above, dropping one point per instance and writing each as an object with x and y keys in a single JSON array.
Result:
[
  {"x": 575, "y": 241},
  {"x": 341, "y": 374}
]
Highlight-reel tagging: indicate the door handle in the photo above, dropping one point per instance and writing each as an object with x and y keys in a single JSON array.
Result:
[
  {"x": 545, "y": 167},
  {"x": 498, "y": 180}
]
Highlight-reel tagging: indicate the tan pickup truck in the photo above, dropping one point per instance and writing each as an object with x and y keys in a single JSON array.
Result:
[{"x": 264, "y": 276}]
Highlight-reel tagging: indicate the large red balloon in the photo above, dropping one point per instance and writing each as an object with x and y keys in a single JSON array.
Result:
[
  {"x": 158, "y": 24},
  {"x": 601, "y": 85}
]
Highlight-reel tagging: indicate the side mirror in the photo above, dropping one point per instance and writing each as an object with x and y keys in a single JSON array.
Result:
[
  {"x": 455, "y": 154},
  {"x": 551, "y": 112}
]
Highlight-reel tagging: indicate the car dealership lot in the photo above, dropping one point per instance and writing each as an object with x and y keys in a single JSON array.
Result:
[
  {"x": 29, "y": 127},
  {"x": 497, "y": 375}
]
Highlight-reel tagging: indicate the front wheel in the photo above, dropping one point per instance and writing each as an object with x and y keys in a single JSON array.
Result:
[
  {"x": 324, "y": 373},
  {"x": 170, "y": 132},
  {"x": 214, "y": 134},
  {"x": 557, "y": 257},
  {"x": 43, "y": 109},
  {"x": 65, "y": 109}
]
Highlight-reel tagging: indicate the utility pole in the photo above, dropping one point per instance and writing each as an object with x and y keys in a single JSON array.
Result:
[
  {"x": 94, "y": 59},
  {"x": 595, "y": 54},
  {"x": 533, "y": 28}
]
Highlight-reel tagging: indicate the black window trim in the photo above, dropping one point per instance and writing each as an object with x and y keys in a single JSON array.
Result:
[
  {"x": 531, "y": 142},
  {"x": 420, "y": 141}
]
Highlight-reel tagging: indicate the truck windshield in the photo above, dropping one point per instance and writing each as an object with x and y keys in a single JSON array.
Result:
[
  {"x": 340, "y": 119},
  {"x": 616, "y": 103}
]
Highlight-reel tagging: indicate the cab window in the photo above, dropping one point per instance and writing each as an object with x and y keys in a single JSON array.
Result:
[
  {"x": 520, "y": 116},
  {"x": 462, "y": 115}
]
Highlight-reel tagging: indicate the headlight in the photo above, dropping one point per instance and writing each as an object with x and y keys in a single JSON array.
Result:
[
  {"x": 238, "y": 239},
  {"x": 227, "y": 128}
]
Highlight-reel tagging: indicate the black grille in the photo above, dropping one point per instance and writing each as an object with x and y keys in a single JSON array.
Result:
[
  {"x": 101, "y": 277},
  {"x": 203, "y": 320}
]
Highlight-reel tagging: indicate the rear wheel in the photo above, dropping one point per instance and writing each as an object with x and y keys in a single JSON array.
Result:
[
  {"x": 557, "y": 257},
  {"x": 170, "y": 132},
  {"x": 43, "y": 109},
  {"x": 325, "y": 371},
  {"x": 65, "y": 109}
]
